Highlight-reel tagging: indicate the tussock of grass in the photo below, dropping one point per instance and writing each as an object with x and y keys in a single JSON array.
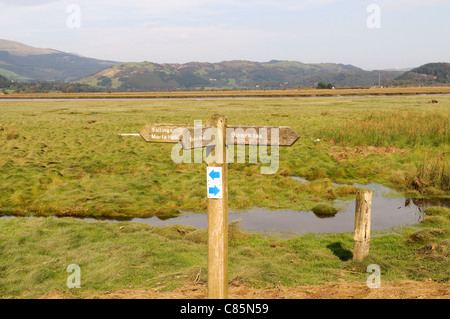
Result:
[
  {"x": 436, "y": 252},
  {"x": 324, "y": 210},
  {"x": 346, "y": 190},
  {"x": 438, "y": 211},
  {"x": 235, "y": 231},
  {"x": 434, "y": 171},
  {"x": 199, "y": 236},
  {"x": 427, "y": 235},
  {"x": 11, "y": 133},
  {"x": 438, "y": 217},
  {"x": 435, "y": 220}
]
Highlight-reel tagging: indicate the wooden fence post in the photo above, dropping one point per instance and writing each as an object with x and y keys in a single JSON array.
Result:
[
  {"x": 362, "y": 224},
  {"x": 218, "y": 216}
]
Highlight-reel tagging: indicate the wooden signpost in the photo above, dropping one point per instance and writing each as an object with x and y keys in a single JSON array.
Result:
[
  {"x": 217, "y": 177},
  {"x": 239, "y": 135},
  {"x": 163, "y": 133},
  {"x": 218, "y": 213}
]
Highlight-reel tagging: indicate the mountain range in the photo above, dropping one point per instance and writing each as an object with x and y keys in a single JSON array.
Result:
[
  {"x": 20, "y": 62},
  {"x": 232, "y": 75}
]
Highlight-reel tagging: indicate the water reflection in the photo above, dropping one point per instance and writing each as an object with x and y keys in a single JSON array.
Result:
[{"x": 423, "y": 203}]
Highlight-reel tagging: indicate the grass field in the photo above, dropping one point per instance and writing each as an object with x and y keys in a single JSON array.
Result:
[
  {"x": 36, "y": 253},
  {"x": 64, "y": 158}
]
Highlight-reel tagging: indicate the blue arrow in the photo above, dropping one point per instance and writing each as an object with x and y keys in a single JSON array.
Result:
[
  {"x": 213, "y": 174},
  {"x": 214, "y": 190}
]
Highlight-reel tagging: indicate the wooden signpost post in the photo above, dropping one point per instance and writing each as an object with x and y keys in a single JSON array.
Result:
[
  {"x": 218, "y": 212},
  {"x": 217, "y": 178},
  {"x": 363, "y": 210}
]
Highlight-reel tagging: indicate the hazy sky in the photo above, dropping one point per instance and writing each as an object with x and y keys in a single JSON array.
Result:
[{"x": 408, "y": 33}]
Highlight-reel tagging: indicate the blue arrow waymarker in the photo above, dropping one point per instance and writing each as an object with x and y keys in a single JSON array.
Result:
[
  {"x": 214, "y": 182},
  {"x": 214, "y": 190},
  {"x": 213, "y": 174}
]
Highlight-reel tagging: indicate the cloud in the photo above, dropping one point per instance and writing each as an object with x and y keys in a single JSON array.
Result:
[
  {"x": 403, "y": 5},
  {"x": 26, "y": 3},
  {"x": 142, "y": 7},
  {"x": 165, "y": 44},
  {"x": 279, "y": 4}
]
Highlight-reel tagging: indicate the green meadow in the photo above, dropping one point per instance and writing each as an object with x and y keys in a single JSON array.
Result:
[
  {"x": 35, "y": 254},
  {"x": 64, "y": 158}
]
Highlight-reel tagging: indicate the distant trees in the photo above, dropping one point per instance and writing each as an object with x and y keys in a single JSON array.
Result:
[
  {"x": 47, "y": 86},
  {"x": 4, "y": 82},
  {"x": 105, "y": 82},
  {"x": 270, "y": 85},
  {"x": 322, "y": 85}
]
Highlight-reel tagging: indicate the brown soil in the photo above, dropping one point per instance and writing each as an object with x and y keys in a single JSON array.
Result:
[{"x": 335, "y": 290}]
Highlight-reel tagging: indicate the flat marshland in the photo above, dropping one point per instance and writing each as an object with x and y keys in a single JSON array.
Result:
[
  {"x": 304, "y": 92},
  {"x": 64, "y": 158}
]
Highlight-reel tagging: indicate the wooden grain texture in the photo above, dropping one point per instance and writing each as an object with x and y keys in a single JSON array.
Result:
[
  {"x": 218, "y": 218},
  {"x": 363, "y": 212},
  {"x": 245, "y": 135},
  {"x": 163, "y": 133}
]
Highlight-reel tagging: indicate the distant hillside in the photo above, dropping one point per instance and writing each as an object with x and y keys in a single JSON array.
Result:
[
  {"x": 232, "y": 75},
  {"x": 21, "y": 62},
  {"x": 430, "y": 74}
]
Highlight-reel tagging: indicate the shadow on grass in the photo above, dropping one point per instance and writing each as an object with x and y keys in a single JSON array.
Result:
[{"x": 339, "y": 251}]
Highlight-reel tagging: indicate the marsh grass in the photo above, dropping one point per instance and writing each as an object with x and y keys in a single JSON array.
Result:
[
  {"x": 438, "y": 211},
  {"x": 11, "y": 133},
  {"x": 67, "y": 160},
  {"x": 433, "y": 236},
  {"x": 401, "y": 128},
  {"x": 63, "y": 163},
  {"x": 435, "y": 170},
  {"x": 435, "y": 220},
  {"x": 115, "y": 256},
  {"x": 427, "y": 235}
]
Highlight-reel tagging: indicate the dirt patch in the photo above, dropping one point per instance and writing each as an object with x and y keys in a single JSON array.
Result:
[
  {"x": 336, "y": 290},
  {"x": 55, "y": 294},
  {"x": 342, "y": 153}
]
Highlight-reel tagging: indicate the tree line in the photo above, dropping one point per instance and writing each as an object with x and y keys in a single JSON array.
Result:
[{"x": 7, "y": 86}]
